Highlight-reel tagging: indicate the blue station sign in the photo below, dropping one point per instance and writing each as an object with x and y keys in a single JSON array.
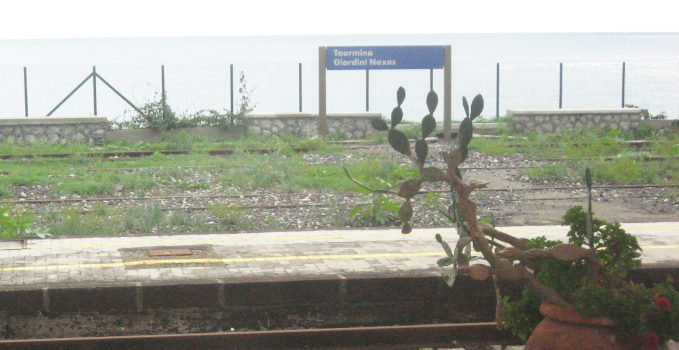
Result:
[{"x": 384, "y": 57}]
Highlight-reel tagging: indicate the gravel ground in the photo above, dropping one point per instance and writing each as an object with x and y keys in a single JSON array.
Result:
[
  {"x": 200, "y": 320},
  {"x": 330, "y": 210}
]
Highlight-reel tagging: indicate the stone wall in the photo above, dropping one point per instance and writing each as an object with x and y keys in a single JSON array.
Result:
[
  {"x": 217, "y": 133},
  {"x": 552, "y": 121},
  {"x": 94, "y": 130},
  {"x": 351, "y": 125},
  {"x": 54, "y": 130}
]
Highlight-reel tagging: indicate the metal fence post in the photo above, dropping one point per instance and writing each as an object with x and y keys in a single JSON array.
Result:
[
  {"x": 447, "y": 94},
  {"x": 94, "y": 88},
  {"x": 497, "y": 91},
  {"x": 231, "y": 85},
  {"x": 300, "y": 87},
  {"x": 367, "y": 90},
  {"x": 25, "y": 94},
  {"x": 560, "y": 83},
  {"x": 623, "y": 86},
  {"x": 163, "y": 93}
]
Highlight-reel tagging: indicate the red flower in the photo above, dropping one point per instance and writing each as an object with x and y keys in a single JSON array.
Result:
[
  {"x": 651, "y": 342},
  {"x": 638, "y": 340},
  {"x": 663, "y": 304}
]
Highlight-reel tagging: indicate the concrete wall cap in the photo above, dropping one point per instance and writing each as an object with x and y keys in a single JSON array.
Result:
[
  {"x": 51, "y": 120},
  {"x": 574, "y": 111},
  {"x": 313, "y": 115}
]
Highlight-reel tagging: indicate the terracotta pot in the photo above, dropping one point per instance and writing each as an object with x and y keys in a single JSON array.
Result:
[{"x": 564, "y": 329}]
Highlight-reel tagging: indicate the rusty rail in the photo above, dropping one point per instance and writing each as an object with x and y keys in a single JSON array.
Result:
[
  {"x": 120, "y": 199},
  {"x": 223, "y": 152},
  {"x": 242, "y": 166},
  {"x": 136, "y": 154},
  {"x": 385, "y": 337}
]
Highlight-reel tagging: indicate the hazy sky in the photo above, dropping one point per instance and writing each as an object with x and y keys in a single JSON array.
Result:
[{"x": 27, "y": 19}]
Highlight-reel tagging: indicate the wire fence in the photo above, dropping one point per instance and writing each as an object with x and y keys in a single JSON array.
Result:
[{"x": 284, "y": 87}]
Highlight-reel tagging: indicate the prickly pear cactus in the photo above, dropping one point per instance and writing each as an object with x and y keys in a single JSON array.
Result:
[
  {"x": 507, "y": 257},
  {"x": 400, "y": 143},
  {"x": 462, "y": 211}
]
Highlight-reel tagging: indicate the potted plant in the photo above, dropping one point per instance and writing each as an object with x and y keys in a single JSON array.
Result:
[
  {"x": 581, "y": 287},
  {"x": 603, "y": 309}
]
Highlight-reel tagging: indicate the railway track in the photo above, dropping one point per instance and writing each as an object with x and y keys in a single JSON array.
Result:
[
  {"x": 227, "y": 152},
  {"x": 137, "y": 154},
  {"x": 352, "y": 205},
  {"x": 385, "y": 337},
  {"x": 286, "y": 206},
  {"x": 244, "y": 166},
  {"x": 645, "y": 158},
  {"x": 630, "y": 143},
  {"x": 285, "y": 194}
]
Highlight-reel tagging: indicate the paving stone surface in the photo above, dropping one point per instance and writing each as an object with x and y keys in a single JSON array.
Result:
[{"x": 275, "y": 255}]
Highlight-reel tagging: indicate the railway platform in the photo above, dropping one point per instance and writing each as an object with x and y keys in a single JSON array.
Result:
[{"x": 220, "y": 269}]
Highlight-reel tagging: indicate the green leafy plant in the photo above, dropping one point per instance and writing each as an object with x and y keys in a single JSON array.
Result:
[
  {"x": 228, "y": 214},
  {"x": 376, "y": 210},
  {"x": 588, "y": 274},
  {"x": 158, "y": 115},
  {"x": 617, "y": 250},
  {"x": 155, "y": 115},
  {"x": 211, "y": 117},
  {"x": 14, "y": 225},
  {"x": 245, "y": 103},
  {"x": 645, "y": 115}
]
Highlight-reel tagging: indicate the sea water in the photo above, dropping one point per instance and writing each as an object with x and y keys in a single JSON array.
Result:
[{"x": 197, "y": 73}]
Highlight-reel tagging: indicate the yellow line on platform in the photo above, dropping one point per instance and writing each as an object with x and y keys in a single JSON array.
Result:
[
  {"x": 217, "y": 260},
  {"x": 660, "y": 246},
  {"x": 564, "y": 229},
  {"x": 284, "y": 237},
  {"x": 250, "y": 259},
  {"x": 174, "y": 241}
]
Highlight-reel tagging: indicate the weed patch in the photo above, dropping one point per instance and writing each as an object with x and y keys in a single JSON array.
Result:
[
  {"x": 573, "y": 144},
  {"x": 143, "y": 218},
  {"x": 14, "y": 224},
  {"x": 291, "y": 174},
  {"x": 616, "y": 171},
  {"x": 376, "y": 210},
  {"x": 72, "y": 222},
  {"x": 229, "y": 215},
  {"x": 85, "y": 188}
]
